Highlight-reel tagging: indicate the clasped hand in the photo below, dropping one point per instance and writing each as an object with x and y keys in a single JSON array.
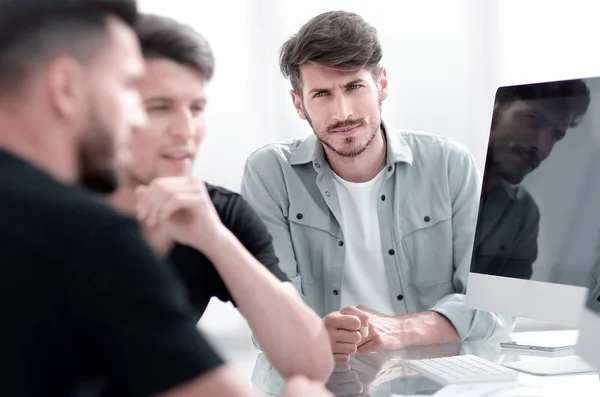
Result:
[
  {"x": 359, "y": 329},
  {"x": 183, "y": 206}
]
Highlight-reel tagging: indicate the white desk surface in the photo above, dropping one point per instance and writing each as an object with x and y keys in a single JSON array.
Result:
[{"x": 386, "y": 375}]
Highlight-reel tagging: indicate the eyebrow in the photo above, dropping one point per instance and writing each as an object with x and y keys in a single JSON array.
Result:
[
  {"x": 201, "y": 101},
  {"x": 352, "y": 82}
]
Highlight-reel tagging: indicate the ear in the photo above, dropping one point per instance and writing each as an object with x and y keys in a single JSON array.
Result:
[
  {"x": 297, "y": 100},
  {"x": 383, "y": 84},
  {"x": 65, "y": 88}
]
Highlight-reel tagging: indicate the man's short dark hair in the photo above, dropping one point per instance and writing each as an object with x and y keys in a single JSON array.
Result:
[
  {"x": 569, "y": 96},
  {"x": 165, "y": 38},
  {"x": 34, "y": 32},
  {"x": 340, "y": 40}
]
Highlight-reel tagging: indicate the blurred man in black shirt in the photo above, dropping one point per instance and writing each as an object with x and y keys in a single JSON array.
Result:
[{"x": 82, "y": 295}]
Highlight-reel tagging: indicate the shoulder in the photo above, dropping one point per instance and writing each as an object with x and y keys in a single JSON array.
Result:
[
  {"x": 427, "y": 145},
  {"x": 437, "y": 156},
  {"x": 273, "y": 154},
  {"x": 223, "y": 199},
  {"x": 232, "y": 208},
  {"x": 63, "y": 208}
]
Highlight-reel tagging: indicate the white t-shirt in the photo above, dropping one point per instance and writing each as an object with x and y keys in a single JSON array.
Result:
[{"x": 365, "y": 279}]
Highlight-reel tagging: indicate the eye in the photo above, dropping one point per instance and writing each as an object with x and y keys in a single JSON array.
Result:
[
  {"x": 535, "y": 121},
  {"x": 157, "y": 108},
  {"x": 196, "y": 109},
  {"x": 354, "y": 86},
  {"x": 319, "y": 94},
  {"x": 559, "y": 135}
]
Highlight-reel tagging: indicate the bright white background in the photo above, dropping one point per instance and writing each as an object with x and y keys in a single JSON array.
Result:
[{"x": 444, "y": 59}]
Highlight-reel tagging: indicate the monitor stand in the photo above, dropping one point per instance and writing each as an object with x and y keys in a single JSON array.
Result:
[{"x": 546, "y": 353}]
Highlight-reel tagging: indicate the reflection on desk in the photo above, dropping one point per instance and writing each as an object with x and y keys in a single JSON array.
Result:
[
  {"x": 380, "y": 374},
  {"x": 385, "y": 374}
]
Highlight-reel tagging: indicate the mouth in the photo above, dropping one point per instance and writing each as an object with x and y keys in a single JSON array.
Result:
[
  {"x": 177, "y": 156},
  {"x": 346, "y": 130},
  {"x": 528, "y": 158}
]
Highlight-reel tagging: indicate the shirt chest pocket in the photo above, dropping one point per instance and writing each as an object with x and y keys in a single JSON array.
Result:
[
  {"x": 312, "y": 232},
  {"x": 502, "y": 250},
  {"x": 425, "y": 235}
]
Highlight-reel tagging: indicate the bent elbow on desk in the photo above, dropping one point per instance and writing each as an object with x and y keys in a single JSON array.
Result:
[
  {"x": 313, "y": 359},
  {"x": 305, "y": 349}
]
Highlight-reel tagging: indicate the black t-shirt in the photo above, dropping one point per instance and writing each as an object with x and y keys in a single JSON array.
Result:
[
  {"x": 82, "y": 296},
  {"x": 199, "y": 275}
]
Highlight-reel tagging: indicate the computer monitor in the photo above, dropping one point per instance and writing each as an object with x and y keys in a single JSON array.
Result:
[{"x": 536, "y": 252}]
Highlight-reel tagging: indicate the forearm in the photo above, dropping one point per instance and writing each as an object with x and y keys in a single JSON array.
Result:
[
  {"x": 426, "y": 328},
  {"x": 290, "y": 333}
]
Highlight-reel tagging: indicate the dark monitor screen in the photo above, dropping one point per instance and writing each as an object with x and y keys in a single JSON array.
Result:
[{"x": 539, "y": 215}]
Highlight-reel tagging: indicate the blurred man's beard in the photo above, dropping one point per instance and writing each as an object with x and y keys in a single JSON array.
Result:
[
  {"x": 98, "y": 163},
  {"x": 101, "y": 182}
]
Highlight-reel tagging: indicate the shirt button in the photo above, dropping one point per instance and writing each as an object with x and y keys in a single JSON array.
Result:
[
  {"x": 427, "y": 219},
  {"x": 327, "y": 194},
  {"x": 383, "y": 197},
  {"x": 341, "y": 243},
  {"x": 335, "y": 292},
  {"x": 502, "y": 247},
  {"x": 390, "y": 168},
  {"x": 299, "y": 216},
  {"x": 317, "y": 165},
  {"x": 400, "y": 297},
  {"x": 391, "y": 252}
]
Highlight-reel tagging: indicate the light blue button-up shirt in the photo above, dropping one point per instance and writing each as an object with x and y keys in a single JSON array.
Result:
[{"x": 427, "y": 210}]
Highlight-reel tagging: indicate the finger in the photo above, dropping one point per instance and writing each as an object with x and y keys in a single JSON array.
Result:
[
  {"x": 341, "y": 358},
  {"x": 173, "y": 204},
  {"x": 141, "y": 202},
  {"x": 343, "y": 377},
  {"x": 367, "y": 309},
  {"x": 341, "y": 367},
  {"x": 338, "y": 320},
  {"x": 371, "y": 346},
  {"x": 346, "y": 389},
  {"x": 346, "y": 384},
  {"x": 344, "y": 348},
  {"x": 162, "y": 190},
  {"x": 341, "y": 335},
  {"x": 362, "y": 317},
  {"x": 155, "y": 200},
  {"x": 352, "y": 310}
]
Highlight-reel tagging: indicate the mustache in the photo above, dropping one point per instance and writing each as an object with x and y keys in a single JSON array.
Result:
[{"x": 346, "y": 123}]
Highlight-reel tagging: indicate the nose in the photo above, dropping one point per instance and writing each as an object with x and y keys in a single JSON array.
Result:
[
  {"x": 341, "y": 108},
  {"x": 544, "y": 143},
  {"x": 139, "y": 117},
  {"x": 181, "y": 125}
]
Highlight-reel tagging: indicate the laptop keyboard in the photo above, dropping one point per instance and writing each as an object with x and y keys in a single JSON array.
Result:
[{"x": 462, "y": 369}]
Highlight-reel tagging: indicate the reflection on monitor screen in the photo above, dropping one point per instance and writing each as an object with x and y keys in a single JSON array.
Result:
[{"x": 536, "y": 252}]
